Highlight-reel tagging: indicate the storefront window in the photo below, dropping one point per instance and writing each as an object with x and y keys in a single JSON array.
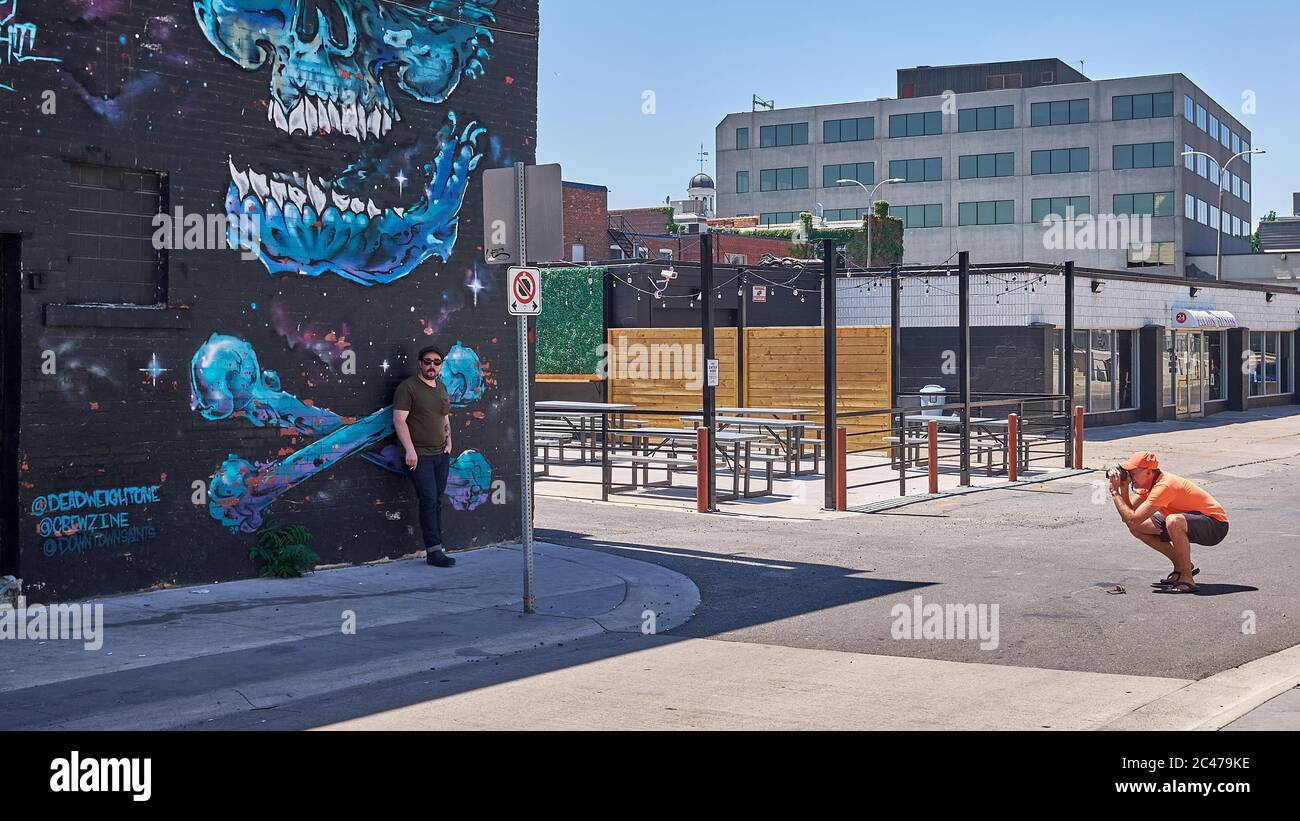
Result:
[
  {"x": 1124, "y": 380},
  {"x": 1214, "y": 346},
  {"x": 1105, "y": 370},
  {"x": 1081, "y": 367},
  {"x": 1102, "y": 373},
  {"x": 1286, "y": 376},
  {"x": 1265, "y": 361}
]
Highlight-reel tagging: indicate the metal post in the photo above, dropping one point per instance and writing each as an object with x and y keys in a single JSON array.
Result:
[
  {"x": 525, "y": 412},
  {"x": 1078, "y": 437},
  {"x": 932, "y": 435},
  {"x": 742, "y": 322},
  {"x": 963, "y": 360},
  {"x": 1013, "y": 447},
  {"x": 710, "y": 392},
  {"x": 841, "y": 468},
  {"x": 1067, "y": 358},
  {"x": 895, "y": 335},
  {"x": 829, "y": 324}
]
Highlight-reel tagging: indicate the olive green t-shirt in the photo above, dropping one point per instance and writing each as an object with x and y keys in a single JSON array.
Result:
[{"x": 428, "y": 407}]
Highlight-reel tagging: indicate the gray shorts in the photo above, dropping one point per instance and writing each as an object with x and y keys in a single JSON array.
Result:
[{"x": 1201, "y": 529}]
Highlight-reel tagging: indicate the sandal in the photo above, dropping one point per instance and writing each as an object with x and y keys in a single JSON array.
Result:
[
  {"x": 1173, "y": 577},
  {"x": 1178, "y": 587}
]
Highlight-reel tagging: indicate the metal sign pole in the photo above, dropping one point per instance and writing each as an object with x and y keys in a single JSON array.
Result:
[{"x": 525, "y": 416}]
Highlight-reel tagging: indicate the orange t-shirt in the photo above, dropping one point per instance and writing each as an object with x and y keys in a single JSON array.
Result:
[{"x": 1173, "y": 494}]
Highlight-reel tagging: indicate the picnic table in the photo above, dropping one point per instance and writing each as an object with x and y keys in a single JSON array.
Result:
[
  {"x": 641, "y": 446},
  {"x": 798, "y": 413},
  {"x": 787, "y": 433},
  {"x": 582, "y": 419}
]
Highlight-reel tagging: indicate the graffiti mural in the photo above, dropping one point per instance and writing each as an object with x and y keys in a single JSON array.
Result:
[
  {"x": 18, "y": 39},
  {"x": 228, "y": 382},
  {"x": 328, "y": 61},
  {"x": 252, "y": 386}
]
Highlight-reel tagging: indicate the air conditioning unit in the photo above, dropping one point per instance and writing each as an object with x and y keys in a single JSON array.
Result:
[{"x": 1049, "y": 77}]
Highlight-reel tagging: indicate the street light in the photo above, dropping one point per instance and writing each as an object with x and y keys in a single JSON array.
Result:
[
  {"x": 1218, "y": 229},
  {"x": 871, "y": 204}
]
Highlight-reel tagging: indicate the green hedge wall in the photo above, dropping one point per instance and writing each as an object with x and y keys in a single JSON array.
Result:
[{"x": 571, "y": 327}]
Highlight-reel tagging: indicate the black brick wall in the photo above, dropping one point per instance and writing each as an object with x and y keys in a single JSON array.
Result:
[{"x": 140, "y": 86}]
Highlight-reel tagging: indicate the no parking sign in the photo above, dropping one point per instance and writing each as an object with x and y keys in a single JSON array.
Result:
[{"x": 525, "y": 292}]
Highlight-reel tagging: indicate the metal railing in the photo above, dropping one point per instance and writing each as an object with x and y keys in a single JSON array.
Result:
[{"x": 1035, "y": 425}]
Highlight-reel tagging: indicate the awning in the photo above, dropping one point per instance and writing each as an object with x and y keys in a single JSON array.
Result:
[{"x": 1196, "y": 318}]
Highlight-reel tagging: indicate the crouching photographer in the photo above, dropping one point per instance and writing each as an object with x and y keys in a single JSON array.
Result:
[{"x": 1167, "y": 513}]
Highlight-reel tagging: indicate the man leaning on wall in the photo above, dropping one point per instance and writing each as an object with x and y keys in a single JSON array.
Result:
[{"x": 422, "y": 419}]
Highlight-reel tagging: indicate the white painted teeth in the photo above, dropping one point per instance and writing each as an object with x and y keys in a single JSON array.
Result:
[
  {"x": 313, "y": 115},
  {"x": 240, "y": 179},
  {"x": 260, "y": 186},
  {"x": 298, "y": 119},
  {"x": 317, "y": 195},
  {"x": 318, "y": 192},
  {"x": 350, "y": 120},
  {"x": 281, "y": 120}
]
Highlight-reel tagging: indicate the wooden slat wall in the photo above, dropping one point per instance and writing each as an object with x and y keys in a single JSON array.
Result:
[
  {"x": 669, "y": 393},
  {"x": 784, "y": 369}
]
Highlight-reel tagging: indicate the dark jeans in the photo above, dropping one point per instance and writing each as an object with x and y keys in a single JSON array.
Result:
[{"x": 430, "y": 479}]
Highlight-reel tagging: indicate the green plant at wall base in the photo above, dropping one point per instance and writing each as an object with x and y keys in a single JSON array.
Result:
[
  {"x": 282, "y": 550},
  {"x": 571, "y": 327}
]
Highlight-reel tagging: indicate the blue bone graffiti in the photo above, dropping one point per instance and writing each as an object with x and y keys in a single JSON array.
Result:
[{"x": 227, "y": 381}]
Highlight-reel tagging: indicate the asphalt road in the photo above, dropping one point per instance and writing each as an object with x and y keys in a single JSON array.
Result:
[
  {"x": 1047, "y": 555},
  {"x": 799, "y": 601}
]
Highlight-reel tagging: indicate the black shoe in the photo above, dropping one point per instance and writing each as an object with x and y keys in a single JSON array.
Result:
[{"x": 439, "y": 558}]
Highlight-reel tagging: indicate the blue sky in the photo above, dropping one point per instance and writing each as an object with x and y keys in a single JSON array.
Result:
[{"x": 705, "y": 59}]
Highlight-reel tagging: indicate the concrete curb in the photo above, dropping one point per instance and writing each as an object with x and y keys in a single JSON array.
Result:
[{"x": 1215, "y": 702}]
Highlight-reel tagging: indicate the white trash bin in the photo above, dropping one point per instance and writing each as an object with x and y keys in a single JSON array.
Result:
[{"x": 932, "y": 400}]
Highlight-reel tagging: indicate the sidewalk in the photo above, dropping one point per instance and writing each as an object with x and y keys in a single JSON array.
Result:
[{"x": 186, "y": 655}]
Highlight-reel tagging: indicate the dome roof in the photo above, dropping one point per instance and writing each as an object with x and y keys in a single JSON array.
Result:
[{"x": 702, "y": 181}]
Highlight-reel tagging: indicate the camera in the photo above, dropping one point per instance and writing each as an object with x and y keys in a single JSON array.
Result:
[{"x": 1118, "y": 472}]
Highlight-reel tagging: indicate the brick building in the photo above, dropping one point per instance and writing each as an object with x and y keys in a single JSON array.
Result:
[
  {"x": 586, "y": 221},
  {"x": 164, "y": 395}
]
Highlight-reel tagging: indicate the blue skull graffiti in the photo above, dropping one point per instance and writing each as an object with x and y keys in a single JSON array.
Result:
[{"x": 329, "y": 60}]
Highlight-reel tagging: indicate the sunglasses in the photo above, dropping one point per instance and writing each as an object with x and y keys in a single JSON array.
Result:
[{"x": 431, "y": 361}]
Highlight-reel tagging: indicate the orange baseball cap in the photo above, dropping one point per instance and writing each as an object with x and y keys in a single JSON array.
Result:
[{"x": 1142, "y": 459}]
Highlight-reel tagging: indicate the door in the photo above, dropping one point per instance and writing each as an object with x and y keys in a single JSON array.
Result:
[
  {"x": 10, "y": 353},
  {"x": 1190, "y": 353}
]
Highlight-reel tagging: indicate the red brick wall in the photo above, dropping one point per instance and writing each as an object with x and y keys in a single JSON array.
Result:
[
  {"x": 644, "y": 220},
  {"x": 752, "y": 248},
  {"x": 586, "y": 220}
]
